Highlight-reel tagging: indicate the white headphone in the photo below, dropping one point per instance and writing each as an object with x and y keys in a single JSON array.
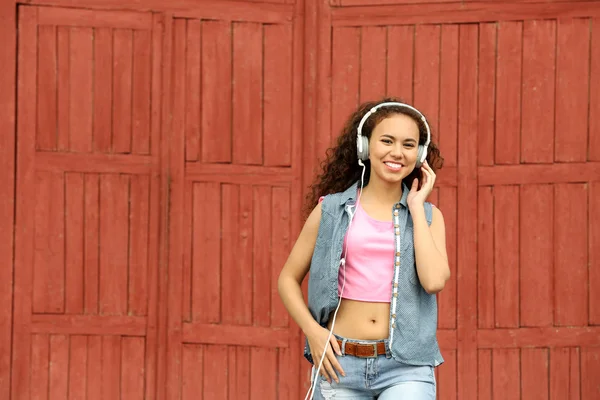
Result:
[{"x": 362, "y": 142}]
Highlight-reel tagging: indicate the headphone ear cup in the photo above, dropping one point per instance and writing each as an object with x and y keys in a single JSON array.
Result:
[
  {"x": 421, "y": 154},
  {"x": 364, "y": 154}
]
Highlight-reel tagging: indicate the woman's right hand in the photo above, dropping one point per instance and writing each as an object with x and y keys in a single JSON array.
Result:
[{"x": 317, "y": 342}]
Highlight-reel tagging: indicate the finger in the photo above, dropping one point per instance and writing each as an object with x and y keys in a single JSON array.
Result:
[
  {"x": 337, "y": 366},
  {"x": 323, "y": 371},
  {"x": 335, "y": 345},
  {"x": 330, "y": 370},
  {"x": 414, "y": 185}
]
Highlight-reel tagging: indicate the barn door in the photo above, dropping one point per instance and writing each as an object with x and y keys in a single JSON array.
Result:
[
  {"x": 234, "y": 202},
  {"x": 87, "y": 204}
]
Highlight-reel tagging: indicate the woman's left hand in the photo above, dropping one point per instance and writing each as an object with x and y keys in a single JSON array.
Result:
[{"x": 418, "y": 197}]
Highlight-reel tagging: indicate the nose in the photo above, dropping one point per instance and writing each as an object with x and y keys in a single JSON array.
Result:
[{"x": 397, "y": 151}]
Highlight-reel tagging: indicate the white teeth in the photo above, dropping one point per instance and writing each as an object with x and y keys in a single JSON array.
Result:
[{"x": 393, "y": 165}]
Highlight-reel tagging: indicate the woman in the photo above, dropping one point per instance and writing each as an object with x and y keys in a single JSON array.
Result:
[{"x": 377, "y": 256}]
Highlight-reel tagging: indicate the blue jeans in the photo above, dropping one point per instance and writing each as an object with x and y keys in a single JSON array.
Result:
[{"x": 381, "y": 378}]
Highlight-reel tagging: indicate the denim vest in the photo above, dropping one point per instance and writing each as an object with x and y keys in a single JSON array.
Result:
[{"x": 413, "y": 312}]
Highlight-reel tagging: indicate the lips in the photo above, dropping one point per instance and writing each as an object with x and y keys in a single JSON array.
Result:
[{"x": 393, "y": 166}]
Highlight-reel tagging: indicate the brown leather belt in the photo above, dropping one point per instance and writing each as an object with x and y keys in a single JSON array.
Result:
[{"x": 363, "y": 350}]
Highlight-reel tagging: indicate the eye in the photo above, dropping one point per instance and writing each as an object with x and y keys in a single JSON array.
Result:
[
  {"x": 386, "y": 141},
  {"x": 409, "y": 145}
]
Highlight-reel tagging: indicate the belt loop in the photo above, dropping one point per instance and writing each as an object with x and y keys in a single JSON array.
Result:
[
  {"x": 344, "y": 346},
  {"x": 388, "y": 350}
]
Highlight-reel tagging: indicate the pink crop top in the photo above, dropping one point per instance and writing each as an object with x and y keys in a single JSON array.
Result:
[{"x": 369, "y": 260}]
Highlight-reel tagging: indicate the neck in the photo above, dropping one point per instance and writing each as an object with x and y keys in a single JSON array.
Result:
[{"x": 382, "y": 192}]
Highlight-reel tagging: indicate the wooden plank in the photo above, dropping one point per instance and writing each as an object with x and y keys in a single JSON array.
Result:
[
  {"x": 446, "y": 380},
  {"x": 400, "y": 62},
  {"x": 486, "y": 290},
  {"x": 570, "y": 255},
  {"x": 590, "y": 365},
  {"x": 74, "y": 243},
  {"x": 111, "y": 367},
  {"x": 188, "y": 253},
  {"x": 132, "y": 368},
  {"x": 95, "y": 163},
  {"x": 80, "y": 89},
  {"x": 46, "y": 88},
  {"x": 447, "y": 297},
  {"x": 484, "y": 375},
  {"x": 139, "y": 209},
  {"x": 122, "y": 89},
  {"x": 237, "y": 335},
  {"x": 487, "y": 92},
  {"x": 536, "y": 263},
  {"x": 247, "y": 84},
  {"x": 216, "y": 91},
  {"x": 238, "y": 173},
  {"x": 77, "y": 367},
  {"x": 447, "y": 136},
  {"x": 91, "y": 240},
  {"x": 508, "y": 93},
  {"x": 94, "y": 368},
  {"x": 537, "y": 337},
  {"x": 572, "y": 90},
  {"x": 89, "y": 325},
  {"x": 94, "y": 18},
  {"x": 63, "y": 87},
  {"x": 539, "y": 60},
  {"x": 193, "y": 64},
  {"x": 142, "y": 92},
  {"x": 575, "y": 374},
  {"x": 506, "y": 236},
  {"x": 263, "y": 367},
  {"x": 192, "y": 359},
  {"x": 427, "y": 72},
  {"x": 594, "y": 253},
  {"x": 564, "y": 374},
  {"x": 58, "y": 366},
  {"x": 540, "y": 173},
  {"x": 594, "y": 94},
  {"x": 261, "y": 265},
  {"x": 239, "y": 384},
  {"x": 277, "y": 95},
  {"x": 40, "y": 355},
  {"x": 206, "y": 259},
  {"x": 534, "y": 374},
  {"x": 214, "y": 374},
  {"x": 113, "y": 246},
  {"x": 49, "y": 257},
  {"x": 506, "y": 375},
  {"x": 345, "y": 83},
  {"x": 373, "y": 63},
  {"x": 280, "y": 246},
  {"x": 103, "y": 89}
]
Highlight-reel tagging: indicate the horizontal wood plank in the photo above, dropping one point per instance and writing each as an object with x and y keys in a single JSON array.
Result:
[
  {"x": 538, "y": 173},
  {"x": 88, "y": 325},
  {"x": 235, "y": 335},
  {"x": 94, "y": 18},
  {"x": 238, "y": 174},
  {"x": 538, "y": 337},
  {"x": 467, "y": 12},
  {"x": 95, "y": 163}
]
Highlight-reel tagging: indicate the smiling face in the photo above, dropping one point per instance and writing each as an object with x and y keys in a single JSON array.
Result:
[{"x": 393, "y": 148}]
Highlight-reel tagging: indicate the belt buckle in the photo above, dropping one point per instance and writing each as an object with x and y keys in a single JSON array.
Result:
[{"x": 374, "y": 345}]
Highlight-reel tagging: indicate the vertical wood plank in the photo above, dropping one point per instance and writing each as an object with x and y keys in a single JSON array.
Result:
[
  {"x": 49, "y": 257},
  {"x": 506, "y": 236},
  {"x": 594, "y": 251},
  {"x": 345, "y": 80},
  {"x": 122, "y": 87},
  {"x": 239, "y": 372},
  {"x": 103, "y": 89},
  {"x": 427, "y": 72},
  {"x": 247, "y": 85},
  {"x": 263, "y": 367},
  {"x": 534, "y": 374},
  {"x": 570, "y": 255},
  {"x": 111, "y": 367},
  {"x": 63, "y": 102},
  {"x": 572, "y": 99},
  {"x": 448, "y": 133},
  {"x": 486, "y": 292},
  {"x": 373, "y": 49},
  {"x": 594, "y": 102},
  {"x": 536, "y": 271},
  {"x": 95, "y": 382},
  {"x": 193, "y": 65},
  {"x": 216, "y": 91},
  {"x": 80, "y": 87},
  {"x": 280, "y": 247},
  {"x": 447, "y": 297},
  {"x": 206, "y": 259},
  {"x": 77, "y": 367},
  {"x": 114, "y": 203},
  {"x": 575, "y": 374},
  {"x": 484, "y": 375},
  {"x": 141, "y": 92},
  {"x": 40, "y": 355},
  {"x": 400, "y": 62},
  {"x": 590, "y": 365},
  {"x": 58, "y": 374},
  {"x": 559, "y": 373},
  {"x": 192, "y": 382},
  {"x": 506, "y": 375},
  {"x": 215, "y": 376},
  {"x": 132, "y": 368},
  {"x": 188, "y": 252},
  {"x": 46, "y": 88},
  {"x": 277, "y": 95},
  {"x": 508, "y": 95},
  {"x": 261, "y": 276},
  {"x": 446, "y": 382},
  {"x": 539, "y": 60},
  {"x": 487, "y": 93},
  {"x": 74, "y": 246},
  {"x": 139, "y": 201},
  {"x": 91, "y": 240}
]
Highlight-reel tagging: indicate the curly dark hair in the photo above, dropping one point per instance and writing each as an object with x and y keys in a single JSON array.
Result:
[{"x": 340, "y": 169}]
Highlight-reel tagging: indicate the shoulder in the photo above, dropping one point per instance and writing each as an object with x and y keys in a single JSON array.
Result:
[{"x": 437, "y": 217}]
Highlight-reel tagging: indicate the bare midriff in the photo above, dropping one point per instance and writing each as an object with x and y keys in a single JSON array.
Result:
[{"x": 361, "y": 320}]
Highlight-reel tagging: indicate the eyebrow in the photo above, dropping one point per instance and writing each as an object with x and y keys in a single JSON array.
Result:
[{"x": 393, "y": 137}]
